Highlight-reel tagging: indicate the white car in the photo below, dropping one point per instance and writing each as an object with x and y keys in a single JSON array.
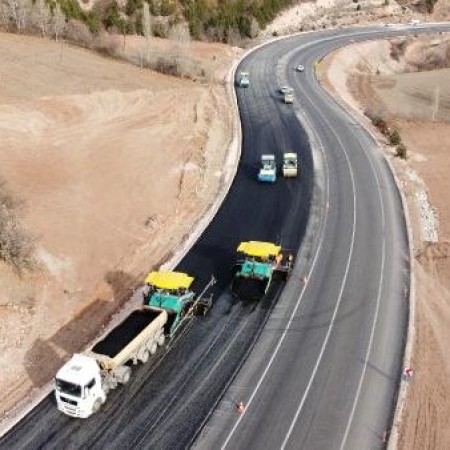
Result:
[
  {"x": 299, "y": 68},
  {"x": 286, "y": 89}
]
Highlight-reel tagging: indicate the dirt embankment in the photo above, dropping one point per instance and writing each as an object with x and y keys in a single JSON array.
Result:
[
  {"x": 115, "y": 166},
  {"x": 379, "y": 78},
  {"x": 320, "y": 14}
]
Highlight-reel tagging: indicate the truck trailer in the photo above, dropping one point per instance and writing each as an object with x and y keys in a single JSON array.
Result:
[{"x": 83, "y": 383}]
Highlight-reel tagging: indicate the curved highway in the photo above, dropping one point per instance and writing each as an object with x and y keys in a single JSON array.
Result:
[
  {"x": 326, "y": 368},
  {"x": 317, "y": 363}
]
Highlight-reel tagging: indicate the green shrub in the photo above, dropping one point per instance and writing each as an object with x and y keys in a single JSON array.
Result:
[
  {"x": 16, "y": 245},
  {"x": 430, "y": 5},
  {"x": 133, "y": 6},
  {"x": 395, "y": 138},
  {"x": 217, "y": 22},
  {"x": 401, "y": 151},
  {"x": 93, "y": 22},
  {"x": 167, "y": 8},
  {"x": 72, "y": 10}
]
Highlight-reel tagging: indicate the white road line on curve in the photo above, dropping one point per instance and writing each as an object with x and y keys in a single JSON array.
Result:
[
  {"x": 375, "y": 318},
  {"x": 341, "y": 291},
  {"x": 283, "y": 336}
]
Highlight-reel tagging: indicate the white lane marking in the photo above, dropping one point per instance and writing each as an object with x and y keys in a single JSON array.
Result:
[
  {"x": 375, "y": 317},
  {"x": 140, "y": 439},
  {"x": 378, "y": 301},
  {"x": 291, "y": 318},
  {"x": 315, "y": 258},
  {"x": 341, "y": 291},
  {"x": 376, "y": 309},
  {"x": 299, "y": 300}
]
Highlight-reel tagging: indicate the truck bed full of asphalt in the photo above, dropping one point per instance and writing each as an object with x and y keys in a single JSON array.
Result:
[{"x": 125, "y": 332}]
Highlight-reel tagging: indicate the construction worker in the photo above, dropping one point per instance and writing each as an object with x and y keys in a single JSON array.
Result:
[
  {"x": 278, "y": 259},
  {"x": 290, "y": 260},
  {"x": 240, "y": 407}
]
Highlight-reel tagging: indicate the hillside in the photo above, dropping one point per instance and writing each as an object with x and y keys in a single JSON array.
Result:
[{"x": 229, "y": 21}]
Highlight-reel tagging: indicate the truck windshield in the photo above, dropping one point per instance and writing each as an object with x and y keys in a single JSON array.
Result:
[{"x": 68, "y": 388}]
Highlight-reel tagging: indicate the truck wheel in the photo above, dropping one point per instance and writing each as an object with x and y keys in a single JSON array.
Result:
[
  {"x": 97, "y": 405},
  {"x": 126, "y": 376},
  {"x": 161, "y": 339},
  {"x": 145, "y": 355},
  {"x": 153, "y": 347}
]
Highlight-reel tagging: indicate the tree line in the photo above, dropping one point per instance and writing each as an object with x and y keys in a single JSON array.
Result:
[{"x": 225, "y": 21}]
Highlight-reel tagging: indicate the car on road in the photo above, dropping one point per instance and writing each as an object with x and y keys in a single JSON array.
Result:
[{"x": 300, "y": 68}]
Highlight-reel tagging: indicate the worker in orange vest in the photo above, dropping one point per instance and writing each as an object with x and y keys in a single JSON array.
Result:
[
  {"x": 240, "y": 407},
  {"x": 278, "y": 259}
]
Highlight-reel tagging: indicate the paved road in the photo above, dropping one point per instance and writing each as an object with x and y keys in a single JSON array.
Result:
[
  {"x": 164, "y": 407},
  {"x": 344, "y": 217},
  {"x": 325, "y": 371}
]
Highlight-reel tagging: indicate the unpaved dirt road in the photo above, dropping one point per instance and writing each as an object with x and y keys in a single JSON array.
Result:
[
  {"x": 115, "y": 165},
  {"x": 417, "y": 104}
]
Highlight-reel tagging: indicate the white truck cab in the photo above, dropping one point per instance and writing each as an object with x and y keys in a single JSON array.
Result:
[{"x": 78, "y": 387}]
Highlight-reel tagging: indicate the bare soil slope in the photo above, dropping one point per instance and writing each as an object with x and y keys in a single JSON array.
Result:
[
  {"x": 417, "y": 104},
  {"x": 115, "y": 166}
]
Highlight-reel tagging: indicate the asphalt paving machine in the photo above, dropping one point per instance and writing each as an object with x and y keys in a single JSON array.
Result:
[
  {"x": 262, "y": 263},
  {"x": 170, "y": 291}
]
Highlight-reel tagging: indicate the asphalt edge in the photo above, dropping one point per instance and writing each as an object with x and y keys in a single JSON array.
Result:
[
  {"x": 27, "y": 404},
  {"x": 393, "y": 434}
]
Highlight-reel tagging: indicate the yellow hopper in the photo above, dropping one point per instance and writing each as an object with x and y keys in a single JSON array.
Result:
[
  {"x": 259, "y": 249},
  {"x": 169, "y": 280}
]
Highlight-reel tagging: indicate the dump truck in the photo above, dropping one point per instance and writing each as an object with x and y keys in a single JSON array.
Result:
[
  {"x": 262, "y": 262},
  {"x": 243, "y": 80},
  {"x": 83, "y": 383},
  {"x": 268, "y": 170},
  {"x": 290, "y": 165}
]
